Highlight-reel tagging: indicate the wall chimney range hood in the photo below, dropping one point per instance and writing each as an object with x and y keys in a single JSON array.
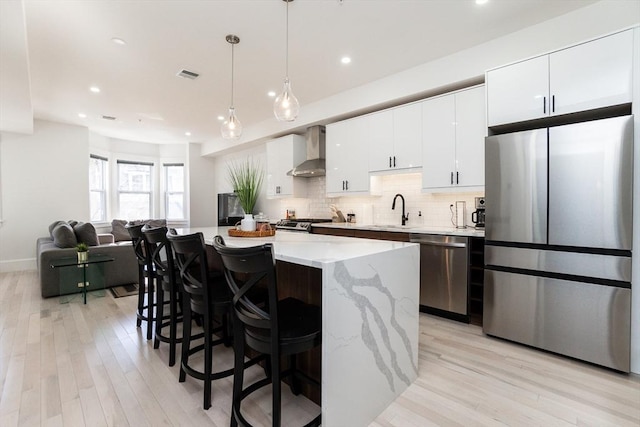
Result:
[{"x": 316, "y": 147}]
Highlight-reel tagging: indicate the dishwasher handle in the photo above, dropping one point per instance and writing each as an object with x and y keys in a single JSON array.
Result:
[{"x": 439, "y": 242}]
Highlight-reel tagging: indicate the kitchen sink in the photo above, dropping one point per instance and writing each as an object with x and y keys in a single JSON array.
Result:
[{"x": 393, "y": 226}]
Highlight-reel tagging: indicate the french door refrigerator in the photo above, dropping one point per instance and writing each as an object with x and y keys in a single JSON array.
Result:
[{"x": 558, "y": 239}]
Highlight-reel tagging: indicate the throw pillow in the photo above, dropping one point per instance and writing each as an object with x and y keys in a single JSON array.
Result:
[
  {"x": 86, "y": 233},
  {"x": 53, "y": 225},
  {"x": 119, "y": 231},
  {"x": 63, "y": 236}
]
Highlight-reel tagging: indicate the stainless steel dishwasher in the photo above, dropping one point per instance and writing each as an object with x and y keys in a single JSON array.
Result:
[{"x": 444, "y": 270}]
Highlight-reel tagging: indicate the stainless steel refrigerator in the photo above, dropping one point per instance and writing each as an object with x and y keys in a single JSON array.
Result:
[{"x": 558, "y": 239}]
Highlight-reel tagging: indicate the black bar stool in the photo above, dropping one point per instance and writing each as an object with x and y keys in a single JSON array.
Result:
[
  {"x": 168, "y": 282},
  {"x": 205, "y": 294},
  {"x": 283, "y": 328},
  {"x": 145, "y": 271}
]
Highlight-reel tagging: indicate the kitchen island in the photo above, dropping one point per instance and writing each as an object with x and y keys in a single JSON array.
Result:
[{"x": 369, "y": 298}]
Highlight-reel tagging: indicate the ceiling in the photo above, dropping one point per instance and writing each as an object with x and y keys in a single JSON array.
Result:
[{"x": 69, "y": 48}]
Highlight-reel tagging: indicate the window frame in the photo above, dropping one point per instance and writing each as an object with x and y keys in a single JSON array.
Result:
[
  {"x": 103, "y": 192},
  {"x": 150, "y": 192},
  {"x": 168, "y": 193}
]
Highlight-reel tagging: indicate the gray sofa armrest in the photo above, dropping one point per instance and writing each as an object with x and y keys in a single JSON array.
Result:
[{"x": 106, "y": 238}]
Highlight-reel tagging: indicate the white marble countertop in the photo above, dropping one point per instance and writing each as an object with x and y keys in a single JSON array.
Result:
[
  {"x": 313, "y": 250},
  {"x": 419, "y": 229}
]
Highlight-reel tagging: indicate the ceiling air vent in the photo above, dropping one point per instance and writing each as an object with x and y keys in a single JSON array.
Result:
[
  {"x": 108, "y": 117},
  {"x": 188, "y": 74}
]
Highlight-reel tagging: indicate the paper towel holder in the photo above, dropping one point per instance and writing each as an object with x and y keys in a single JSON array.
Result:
[{"x": 461, "y": 214}]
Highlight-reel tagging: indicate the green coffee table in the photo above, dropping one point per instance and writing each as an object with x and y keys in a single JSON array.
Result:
[{"x": 93, "y": 266}]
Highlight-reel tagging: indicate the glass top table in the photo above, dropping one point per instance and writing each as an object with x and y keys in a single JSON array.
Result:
[{"x": 97, "y": 283}]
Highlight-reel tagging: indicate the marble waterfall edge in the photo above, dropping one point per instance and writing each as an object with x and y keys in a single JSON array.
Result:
[{"x": 370, "y": 338}]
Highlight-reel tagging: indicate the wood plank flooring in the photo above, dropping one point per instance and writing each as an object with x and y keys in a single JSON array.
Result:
[{"x": 76, "y": 365}]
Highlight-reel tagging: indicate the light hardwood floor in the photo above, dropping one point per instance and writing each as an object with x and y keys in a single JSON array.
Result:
[{"x": 75, "y": 365}]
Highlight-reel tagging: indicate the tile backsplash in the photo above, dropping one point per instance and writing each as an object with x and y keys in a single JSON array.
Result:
[{"x": 424, "y": 209}]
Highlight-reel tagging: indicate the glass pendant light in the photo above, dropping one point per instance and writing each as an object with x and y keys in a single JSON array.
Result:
[
  {"x": 231, "y": 128},
  {"x": 286, "y": 106}
]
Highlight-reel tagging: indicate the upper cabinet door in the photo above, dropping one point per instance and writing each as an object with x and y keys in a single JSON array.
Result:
[
  {"x": 380, "y": 140},
  {"x": 592, "y": 75},
  {"x": 357, "y": 165},
  {"x": 439, "y": 142},
  {"x": 518, "y": 92},
  {"x": 471, "y": 129},
  {"x": 337, "y": 143},
  {"x": 407, "y": 136}
]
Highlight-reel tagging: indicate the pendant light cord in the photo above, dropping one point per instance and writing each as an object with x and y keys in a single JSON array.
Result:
[
  {"x": 232, "y": 61},
  {"x": 287, "y": 44}
]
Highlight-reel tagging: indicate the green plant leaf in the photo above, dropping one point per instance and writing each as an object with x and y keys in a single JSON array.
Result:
[{"x": 246, "y": 180}]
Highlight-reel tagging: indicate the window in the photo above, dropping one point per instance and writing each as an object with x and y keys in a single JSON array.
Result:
[
  {"x": 134, "y": 190},
  {"x": 98, "y": 188},
  {"x": 174, "y": 193}
]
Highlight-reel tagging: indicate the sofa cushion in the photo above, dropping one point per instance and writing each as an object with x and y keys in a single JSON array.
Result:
[
  {"x": 119, "y": 231},
  {"x": 63, "y": 236},
  {"x": 53, "y": 225},
  {"x": 86, "y": 233}
]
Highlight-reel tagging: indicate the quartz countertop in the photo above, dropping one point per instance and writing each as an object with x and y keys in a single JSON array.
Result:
[
  {"x": 313, "y": 250},
  {"x": 418, "y": 229}
]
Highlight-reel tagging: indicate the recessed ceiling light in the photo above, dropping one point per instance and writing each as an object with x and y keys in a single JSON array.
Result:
[
  {"x": 482, "y": 1},
  {"x": 118, "y": 41},
  {"x": 94, "y": 89},
  {"x": 345, "y": 60},
  {"x": 271, "y": 93},
  {"x": 82, "y": 115},
  {"x": 221, "y": 118},
  {"x": 187, "y": 133}
]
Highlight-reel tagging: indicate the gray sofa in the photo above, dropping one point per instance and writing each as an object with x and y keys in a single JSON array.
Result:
[{"x": 122, "y": 271}]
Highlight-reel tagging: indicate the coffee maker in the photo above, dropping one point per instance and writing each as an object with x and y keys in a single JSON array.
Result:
[{"x": 477, "y": 217}]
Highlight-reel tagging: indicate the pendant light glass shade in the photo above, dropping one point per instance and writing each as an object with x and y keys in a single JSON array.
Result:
[
  {"x": 286, "y": 106},
  {"x": 231, "y": 128}
]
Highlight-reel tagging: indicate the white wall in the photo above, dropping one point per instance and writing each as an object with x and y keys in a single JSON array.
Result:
[
  {"x": 45, "y": 177},
  {"x": 201, "y": 178}
]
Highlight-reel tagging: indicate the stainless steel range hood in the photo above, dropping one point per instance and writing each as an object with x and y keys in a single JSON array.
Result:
[{"x": 315, "y": 163}]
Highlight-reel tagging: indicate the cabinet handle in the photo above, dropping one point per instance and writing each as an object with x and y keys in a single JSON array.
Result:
[
  {"x": 347, "y": 185},
  {"x": 451, "y": 178},
  {"x": 389, "y": 161},
  {"x": 394, "y": 161},
  {"x": 544, "y": 104},
  {"x": 277, "y": 189},
  {"x": 343, "y": 186},
  {"x": 457, "y": 177},
  {"x": 553, "y": 103}
]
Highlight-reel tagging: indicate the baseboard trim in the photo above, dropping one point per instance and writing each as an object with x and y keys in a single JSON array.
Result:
[{"x": 17, "y": 265}]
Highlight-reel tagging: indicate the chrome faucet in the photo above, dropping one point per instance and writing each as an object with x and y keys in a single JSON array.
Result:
[{"x": 405, "y": 218}]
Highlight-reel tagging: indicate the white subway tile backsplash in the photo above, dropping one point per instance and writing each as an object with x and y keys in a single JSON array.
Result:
[{"x": 424, "y": 209}]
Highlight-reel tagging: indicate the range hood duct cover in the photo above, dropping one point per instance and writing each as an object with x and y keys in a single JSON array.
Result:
[{"x": 315, "y": 164}]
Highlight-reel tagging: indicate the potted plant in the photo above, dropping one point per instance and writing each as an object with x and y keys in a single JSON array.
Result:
[
  {"x": 83, "y": 252},
  {"x": 246, "y": 179}
]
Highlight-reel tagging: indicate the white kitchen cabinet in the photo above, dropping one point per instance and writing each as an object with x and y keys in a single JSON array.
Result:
[
  {"x": 347, "y": 165},
  {"x": 453, "y": 141},
  {"x": 395, "y": 138},
  {"x": 283, "y": 154},
  {"x": 590, "y": 75}
]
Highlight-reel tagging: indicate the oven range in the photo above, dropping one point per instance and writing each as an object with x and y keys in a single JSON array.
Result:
[{"x": 300, "y": 224}]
